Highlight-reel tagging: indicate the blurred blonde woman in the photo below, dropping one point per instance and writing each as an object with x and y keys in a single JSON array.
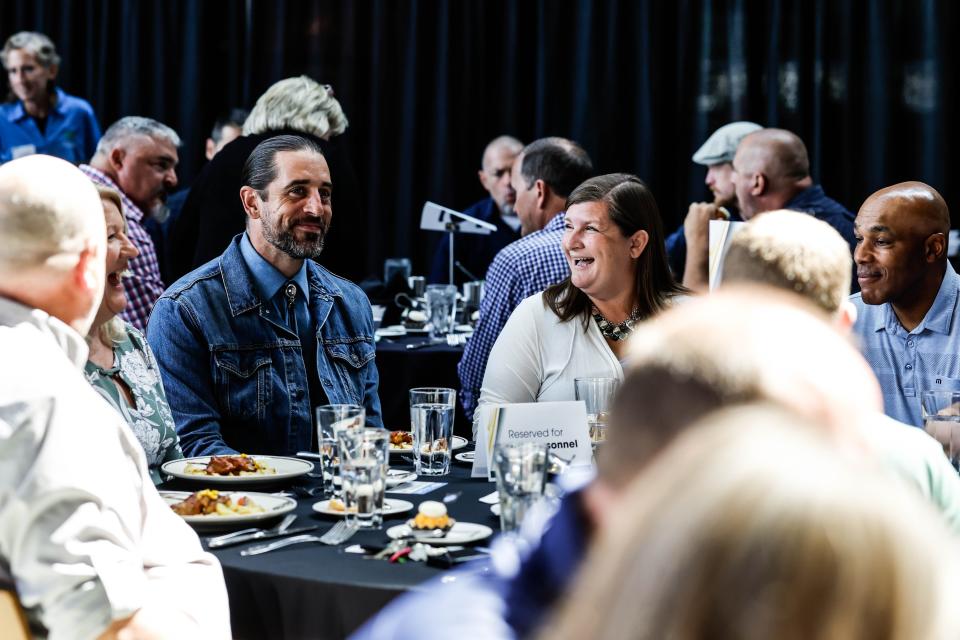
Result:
[
  {"x": 120, "y": 365},
  {"x": 750, "y": 526}
]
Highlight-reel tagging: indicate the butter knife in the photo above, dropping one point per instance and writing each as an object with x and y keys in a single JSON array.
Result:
[{"x": 260, "y": 535}]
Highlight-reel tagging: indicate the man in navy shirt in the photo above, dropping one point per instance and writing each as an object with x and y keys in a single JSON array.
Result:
[
  {"x": 771, "y": 170},
  {"x": 476, "y": 252}
]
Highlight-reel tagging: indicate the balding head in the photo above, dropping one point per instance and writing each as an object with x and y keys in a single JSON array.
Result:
[
  {"x": 740, "y": 344},
  {"x": 901, "y": 251},
  {"x": 795, "y": 252},
  {"x": 495, "y": 168},
  {"x": 52, "y": 253},
  {"x": 771, "y": 167}
]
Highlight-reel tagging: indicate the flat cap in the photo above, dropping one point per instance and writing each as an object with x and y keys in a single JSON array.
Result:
[{"x": 722, "y": 145}]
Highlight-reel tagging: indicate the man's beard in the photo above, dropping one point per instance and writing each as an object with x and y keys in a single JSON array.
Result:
[{"x": 285, "y": 240}]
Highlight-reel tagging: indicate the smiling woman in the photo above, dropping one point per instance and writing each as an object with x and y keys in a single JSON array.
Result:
[
  {"x": 120, "y": 364},
  {"x": 39, "y": 117},
  {"x": 614, "y": 245}
]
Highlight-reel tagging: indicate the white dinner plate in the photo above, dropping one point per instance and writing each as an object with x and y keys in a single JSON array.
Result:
[
  {"x": 460, "y": 533},
  {"x": 466, "y": 456},
  {"x": 413, "y": 331},
  {"x": 391, "y": 506},
  {"x": 278, "y": 469},
  {"x": 273, "y": 506},
  {"x": 393, "y": 331},
  {"x": 495, "y": 509},
  {"x": 459, "y": 442}
]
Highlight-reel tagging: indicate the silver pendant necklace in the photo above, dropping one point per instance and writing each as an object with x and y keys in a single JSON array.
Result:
[{"x": 616, "y": 331}]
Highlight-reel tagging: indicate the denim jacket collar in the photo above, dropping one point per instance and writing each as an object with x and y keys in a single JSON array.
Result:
[{"x": 242, "y": 291}]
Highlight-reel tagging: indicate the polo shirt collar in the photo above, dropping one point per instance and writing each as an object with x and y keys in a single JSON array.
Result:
[
  {"x": 18, "y": 113},
  {"x": 940, "y": 314}
]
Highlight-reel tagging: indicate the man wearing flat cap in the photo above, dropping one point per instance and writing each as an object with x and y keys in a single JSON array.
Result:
[{"x": 716, "y": 154}]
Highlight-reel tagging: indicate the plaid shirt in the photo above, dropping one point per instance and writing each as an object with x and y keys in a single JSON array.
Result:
[
  {"x": 521, "y": 269},
  {"x": 144, "y": 287}
]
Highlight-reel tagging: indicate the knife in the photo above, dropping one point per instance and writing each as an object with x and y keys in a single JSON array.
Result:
[
  {"x": 431, "y": 343},
  {"x": 259, "y": 535}
]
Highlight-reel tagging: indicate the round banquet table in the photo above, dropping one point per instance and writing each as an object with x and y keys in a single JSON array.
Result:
[
  {"x": 402, "y": 369},
  {"x": 315, "y": 591}
]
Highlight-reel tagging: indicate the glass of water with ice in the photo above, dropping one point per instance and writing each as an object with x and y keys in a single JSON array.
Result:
[
  {"x": 521, "y": 470},
  {"x": 364, "y": 460},
  {"x": 431, "y": 421},
  {"x": 597, "y": 394},
  {"x": 941, "y": 419},
  {"x": 331, "y": 420}
]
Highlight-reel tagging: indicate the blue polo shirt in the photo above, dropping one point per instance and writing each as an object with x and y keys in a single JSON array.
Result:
[
  {"x": 908, "y": 362},
  {"x": 71, "y": 133}
]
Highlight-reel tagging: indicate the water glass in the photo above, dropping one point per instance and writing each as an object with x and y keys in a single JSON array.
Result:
[
  {"x": 521, "y": 470},
  {"x": 365, "y": 456},
  {"x": 332, "y": 419},
  {"x": 431, "y": 422},
  {"x": 441, "y": 308},
  {"x": 597, "y": 394},
  {"x": 941, "y": 419}
]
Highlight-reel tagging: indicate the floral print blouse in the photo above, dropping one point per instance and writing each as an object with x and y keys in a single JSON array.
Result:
[{"x": 150, "y": 419}]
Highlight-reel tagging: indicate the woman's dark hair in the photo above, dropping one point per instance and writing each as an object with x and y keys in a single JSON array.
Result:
[
  {"x": 631, "y": 207},
  {"x": 260, "y": 168}
]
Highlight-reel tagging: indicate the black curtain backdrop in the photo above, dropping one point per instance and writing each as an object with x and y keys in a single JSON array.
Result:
[{"x": 425, "y": 84}]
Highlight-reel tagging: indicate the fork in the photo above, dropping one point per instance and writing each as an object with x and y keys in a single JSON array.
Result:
[{"x": 338, "y": 534}]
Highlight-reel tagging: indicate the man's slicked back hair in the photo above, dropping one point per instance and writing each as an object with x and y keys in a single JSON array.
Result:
[{"x": 260, "y": 169}]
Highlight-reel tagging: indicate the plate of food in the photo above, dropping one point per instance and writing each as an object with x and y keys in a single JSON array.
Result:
[
  {"x": 402, "y": 441},
  {"x": 213, "y": 509},
  {"x": 238, "y": 469},
  {"x": 434, "y": 525},
  {"x": 335, "y": 507}
]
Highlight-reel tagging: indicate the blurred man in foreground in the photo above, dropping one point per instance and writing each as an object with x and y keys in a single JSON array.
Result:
[
  {"x": 89, "y": 545},
  {"x": 728, "y": 348}
]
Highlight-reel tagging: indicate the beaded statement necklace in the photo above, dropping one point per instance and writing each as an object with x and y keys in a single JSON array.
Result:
[{"x": 616, "y": 331}]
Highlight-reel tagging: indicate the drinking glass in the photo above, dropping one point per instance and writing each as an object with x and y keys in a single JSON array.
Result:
[
  {"x": 431, "y": 422},
  {"x": 597, "y": 394},
  {"x": 521, "y": 470},
  {"x": 441, "y": 308},
  {"x": 941, "y": 419},
  {"x": 364, "y": 461},
  {"x": 331, "y": 420}
]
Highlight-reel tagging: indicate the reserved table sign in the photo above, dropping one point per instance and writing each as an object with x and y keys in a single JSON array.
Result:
[{"x": 562, "y": 426}]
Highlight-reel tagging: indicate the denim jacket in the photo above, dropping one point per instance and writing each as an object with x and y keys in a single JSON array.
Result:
[{"x": 236, "y": 384}]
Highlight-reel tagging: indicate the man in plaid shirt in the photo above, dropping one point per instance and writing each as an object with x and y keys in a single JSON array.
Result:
[
  {"x": 543, "y": 175},
  {"x": 137, "y": 157}
]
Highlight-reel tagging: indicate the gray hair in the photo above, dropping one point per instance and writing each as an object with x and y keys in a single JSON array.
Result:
[
  {"x": 36, "y": 43},
  {"x": 43, "y": 227},
  {"x": 131, "y": 126},
  {"x": 297, "y": 103}
]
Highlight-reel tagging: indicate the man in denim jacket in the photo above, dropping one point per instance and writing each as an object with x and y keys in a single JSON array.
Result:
[{"x": 229, "y": 336}]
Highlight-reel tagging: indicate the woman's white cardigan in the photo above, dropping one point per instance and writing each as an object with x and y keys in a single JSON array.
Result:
[{"x": 537, "y": 357}]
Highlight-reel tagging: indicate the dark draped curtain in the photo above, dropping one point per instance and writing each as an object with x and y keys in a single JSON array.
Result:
[{"x": 426, "y": 84}]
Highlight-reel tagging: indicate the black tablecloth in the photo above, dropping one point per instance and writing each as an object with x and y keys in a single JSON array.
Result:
[
  {"x": 315, "y": 591},
  {"x": 402, "y": 369}
]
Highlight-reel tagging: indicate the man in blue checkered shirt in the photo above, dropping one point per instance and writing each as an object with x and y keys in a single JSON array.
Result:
[{"x": 543, "y": 175}]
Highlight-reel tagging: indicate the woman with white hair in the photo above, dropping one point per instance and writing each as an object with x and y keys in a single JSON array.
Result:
[
  {"x": 212, "y": 214},
  {"x": 121, "y": 365},
  {"x": 39, "y": 117}
]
